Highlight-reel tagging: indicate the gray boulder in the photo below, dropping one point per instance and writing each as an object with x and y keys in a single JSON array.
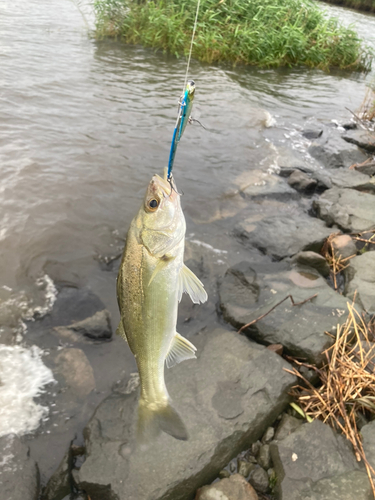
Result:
[
  {"x": 74, "y": 366},
  {"x": 19, "y": 474},
  {"x": 350, "y": 210},
  {"x": 367, "y": 168},
  {"x": 279, "y": 236},
  {"x": 302, "y": 182},
  {"x": 360, "y": 276},
  {"x": 246, "y": 293},
  {"x": 96, "y": 327},
  {"x": 361, "y": 138},
  {"x": 314, "y": 463},
  {"x": 233, "y": 488},
  {"x": 334, "y": 152},
  {"x": 259, "y": 184},
  {"x": 227, "y": 398}
]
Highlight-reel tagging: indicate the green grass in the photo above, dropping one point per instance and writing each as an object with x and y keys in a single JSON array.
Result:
[{"x": 258, "y": 32}]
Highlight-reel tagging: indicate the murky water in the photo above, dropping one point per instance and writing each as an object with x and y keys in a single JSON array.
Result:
[{"x": 85, "y": 124}]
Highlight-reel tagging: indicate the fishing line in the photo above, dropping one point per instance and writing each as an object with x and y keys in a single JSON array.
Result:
[
  {"x": 185, "y": 104},
  {"x": 191, "y": 46}
]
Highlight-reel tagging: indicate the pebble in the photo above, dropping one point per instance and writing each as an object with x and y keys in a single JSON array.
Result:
[
  {"x": 264, "y": 457},
  {"x": 255, "y": 447},
  {"x": 244, "y": 468},
  {"x": 259, "y": 479},
  {"x": 268, "y": 435},
  {"x": 224, "y": 474}
]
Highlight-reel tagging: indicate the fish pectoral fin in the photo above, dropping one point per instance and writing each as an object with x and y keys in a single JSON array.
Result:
[
  {"x": 179, "y": 350},
  {"x": 189, "y": 283},
  {"x": 162, "y": 264},
  {"x": 121, "y": 331}
]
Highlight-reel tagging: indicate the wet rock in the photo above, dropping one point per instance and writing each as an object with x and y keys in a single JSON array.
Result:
[
  {"x": 227, "y": 397},
  {"x": 260, "y": 184},
  {"x": 96, "y": 327},
  {"x": 334, "y": 152},
  {"x": 350, "y": 210},
  {"x": 259, "y": 479},
  {"x": 279, "y": 236},
  {"x": 255, "y": 448},
  {"x": 314, "y": 463},
  {"x": 314, "y": 260},
  {"x": 233, "y": 488},
  {"x": 268, "y": 435},
  {"x": 224, "y": 474},
  {"x": 302, "y": 182},
  {"x": 360, "y": 278},
  {"x": 349, "y": 126},
  {"x": 361, "y": 138},
  {"x": 367, "y": 168},
  {"x": 368, "y": 440},
  {"x": 264, "y": 457},
  {"x": 244, "y": 468},
  {"x": 246, "y": 294},
  {"x": 59, "y": 485},
  {"x": 19, "y": 474},
  {"x": 287, "y": 425},
  {"x": 312, "y": 134},
  {"x": 286, "y": 171},
  {"x": 343, "y": 246},
  {"x": 76, "y": 369}
]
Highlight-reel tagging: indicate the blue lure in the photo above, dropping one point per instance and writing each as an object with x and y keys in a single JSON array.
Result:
[{"x": 184, "y": 111}]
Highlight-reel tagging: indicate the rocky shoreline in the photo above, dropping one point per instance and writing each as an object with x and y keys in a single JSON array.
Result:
[{"x": 244, "y": 436}]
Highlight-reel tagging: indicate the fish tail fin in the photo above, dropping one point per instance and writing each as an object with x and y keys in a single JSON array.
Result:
[{"x": 152, "y": 420}]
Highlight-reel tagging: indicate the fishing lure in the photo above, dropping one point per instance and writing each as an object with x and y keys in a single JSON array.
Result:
[{"x": 183, "y": 116}]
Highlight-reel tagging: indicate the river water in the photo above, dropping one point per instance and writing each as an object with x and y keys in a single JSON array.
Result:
[{"x": 84, "y": 125}]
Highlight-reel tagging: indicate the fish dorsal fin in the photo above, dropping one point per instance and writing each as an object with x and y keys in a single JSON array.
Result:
[
  {"x": 121, "y": 331},
  {"x": 189, "y": 283},
  {"x": 179, "y": 350}
]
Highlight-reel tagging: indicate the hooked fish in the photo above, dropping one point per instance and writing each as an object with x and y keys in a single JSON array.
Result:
[
  {"x": 183, "y": 117},
  {"x": 150, "y": 283}
]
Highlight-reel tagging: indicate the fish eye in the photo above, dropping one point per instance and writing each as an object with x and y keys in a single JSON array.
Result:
[{"x": 152, "y": 204}]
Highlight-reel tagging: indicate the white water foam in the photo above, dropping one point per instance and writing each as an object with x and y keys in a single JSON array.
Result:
[
  {"x": 22, "y": 377},
  {"x": 208, "y": 246}
]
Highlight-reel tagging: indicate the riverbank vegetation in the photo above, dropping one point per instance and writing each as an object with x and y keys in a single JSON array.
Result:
[
  {"x": 258, "y": 32},
  {"x": 366, "y": 5}
]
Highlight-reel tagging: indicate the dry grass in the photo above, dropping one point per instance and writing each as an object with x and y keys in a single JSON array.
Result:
[
  {"x": 347, "y": 383},
  {"x": 367, "y": 110},
  {"x": 336, "y": 262}
]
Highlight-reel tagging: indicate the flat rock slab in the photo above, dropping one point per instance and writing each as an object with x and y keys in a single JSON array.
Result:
[
  {"x": 361, "y": 138},
  {"x": 345, "y": 178},
  {"x": 360, "y": 276},
  {"x": 281, "y": 236},
  {"x": 248, "y": 292},
  {"x": 259, "y": 184},
  {"x": 19, "y": 474},
  {"x": 227, "y": 398},
  {"x": 350, "y": 210},
  {"x": 315, "y": 463}
]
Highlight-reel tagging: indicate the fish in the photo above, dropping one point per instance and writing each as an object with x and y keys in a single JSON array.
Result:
[
  {"x": 183, "y": 117},
  {"x": 150, "y": 283}
]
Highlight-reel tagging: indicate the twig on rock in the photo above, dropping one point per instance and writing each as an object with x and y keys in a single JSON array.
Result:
[{"x": 274, "y": 307}]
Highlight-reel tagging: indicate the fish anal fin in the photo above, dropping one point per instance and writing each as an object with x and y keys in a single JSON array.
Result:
[
  {"x": 179, "y": 350},
  {"x": 190, "y": 284},
  {"x": 121, "y": 331}
]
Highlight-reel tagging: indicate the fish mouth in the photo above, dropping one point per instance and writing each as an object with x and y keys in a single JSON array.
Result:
[{"x": 160, "y": 185}]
